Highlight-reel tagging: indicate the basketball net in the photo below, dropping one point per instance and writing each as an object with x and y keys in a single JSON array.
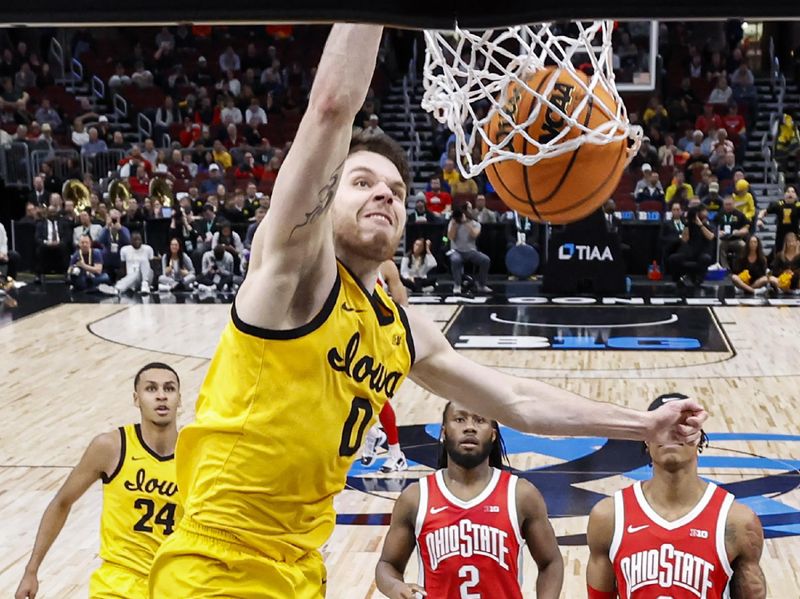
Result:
[{"x": 467, "y": 75}]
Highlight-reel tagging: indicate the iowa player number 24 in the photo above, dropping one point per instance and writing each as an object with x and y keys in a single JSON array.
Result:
[{"x": 165, "y": 516}]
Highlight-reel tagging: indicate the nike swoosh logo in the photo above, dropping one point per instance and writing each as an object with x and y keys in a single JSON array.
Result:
[
  {"x": 633, "y": 529},
  {"x": 134, "y": 458},
  {"x": 347, "y": 308},
  {"x": 436, "y": 510}
]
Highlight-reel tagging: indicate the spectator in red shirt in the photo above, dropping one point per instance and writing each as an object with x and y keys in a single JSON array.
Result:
[
  {"x": 189, "y": 134},
  {"x": 271, "y": 172},
  {"x": 436, "y": 199},
  {"x": 249, "y": 168},
  {"x": 708, "y": 119},
  {"x": 139, "y": 184},
  {"x": 734, "y": 124},
  {"x": 136, "y": 159}
]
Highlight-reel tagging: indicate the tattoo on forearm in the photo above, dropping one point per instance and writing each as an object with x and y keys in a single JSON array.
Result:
[
  {"x": 748, "y": 582},
  {"x": 325, "y": 195}
]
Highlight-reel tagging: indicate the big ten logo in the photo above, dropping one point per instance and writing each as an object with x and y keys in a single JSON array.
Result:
[
  {"x": 698, "y": 534},
  {"x": 558, "y": 103},
  {"x": 574, "y": 342},
  {"x": 506, "y": 126}
]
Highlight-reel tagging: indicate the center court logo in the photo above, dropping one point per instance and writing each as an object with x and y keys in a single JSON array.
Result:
[{"x": 568, "y": 251}]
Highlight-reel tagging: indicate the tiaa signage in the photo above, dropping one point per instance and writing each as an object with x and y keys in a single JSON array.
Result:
[{"x": 586, "y": 253}]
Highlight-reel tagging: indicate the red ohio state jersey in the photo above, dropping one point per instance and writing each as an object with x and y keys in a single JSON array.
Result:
[
  {"x": 682, "y": 559},
  {"x": 469, "y": 549}
]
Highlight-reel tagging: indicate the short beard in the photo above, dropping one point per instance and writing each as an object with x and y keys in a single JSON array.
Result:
[
  {"x": 467, "y": 461},
  {"x": 350, "y": 243}
]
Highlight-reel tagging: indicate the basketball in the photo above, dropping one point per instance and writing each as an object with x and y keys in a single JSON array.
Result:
[{"x": 569, "y": 186}]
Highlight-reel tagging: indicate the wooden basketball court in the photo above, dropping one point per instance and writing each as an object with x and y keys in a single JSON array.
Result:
[{"x": 67, "y": 375}]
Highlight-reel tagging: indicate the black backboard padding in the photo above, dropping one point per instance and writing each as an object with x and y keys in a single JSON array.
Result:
[{"x": 404, "y": 13}]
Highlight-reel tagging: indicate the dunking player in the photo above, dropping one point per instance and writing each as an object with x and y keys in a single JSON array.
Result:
[
  {"x": 140, "y": 505},
  {"x": 312, "y": 353},
  {"x": 469, "y": 521},
  {"x": 389, "y": 279},
  {"x": 675, "y": 535}
]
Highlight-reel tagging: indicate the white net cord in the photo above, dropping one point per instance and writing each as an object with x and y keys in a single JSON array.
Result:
[{"x": 467, "y": 77}]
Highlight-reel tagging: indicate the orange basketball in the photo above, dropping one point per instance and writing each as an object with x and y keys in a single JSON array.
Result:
[{"x": 564, "y": 188}]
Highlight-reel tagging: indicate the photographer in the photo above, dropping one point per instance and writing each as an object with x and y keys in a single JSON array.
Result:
[
  {"x": 416, "y": 266},
  {"x": 689, "y": 264},
  {"x": 231, "y": 242},
  {"x": 217, "y": 271},
  {"x": 112, "y": 239},
  {"x": 180, "y": 227},
  {"x": 462, "y": 232}
]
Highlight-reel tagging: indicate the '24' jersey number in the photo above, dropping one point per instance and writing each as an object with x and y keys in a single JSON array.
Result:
[{"x": 165, "y": 516}]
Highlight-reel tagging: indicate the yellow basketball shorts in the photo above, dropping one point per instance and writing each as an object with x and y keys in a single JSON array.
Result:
[
  {"x": 196, "y": 562},
  {"x": 111, "y": 581}
]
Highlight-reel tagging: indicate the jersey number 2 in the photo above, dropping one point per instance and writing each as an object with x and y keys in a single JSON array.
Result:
[
  {"x": 474, "y": 577},
  {"x": 357, "y": 420},
  {"x": 165, "y": 516}
]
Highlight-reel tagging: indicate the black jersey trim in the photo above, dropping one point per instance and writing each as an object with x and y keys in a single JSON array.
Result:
[
  {"x": 409, "y": 337},
  {"x": 161, "y": 458},
  {"x": 383, "y": 312},
  {"x": 296, "y": 333},
  {"x": 108, "y": 478}
]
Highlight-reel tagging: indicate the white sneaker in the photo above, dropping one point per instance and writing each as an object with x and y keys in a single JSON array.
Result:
[
  {"x": 456, "y": 289},
  {"x": 164, "y": 288},
  {"x": 206, "y": 288},
  {"x": 395, "y": 464},
  {"x": 761, "y": 291},
  {"x": 107, "y": 289},
  {"x": 484, "y": 289},
  {"x": 375, "y": 438},
  {"x": 428, "y": 289},
  {"x": 145, "y": 288}
]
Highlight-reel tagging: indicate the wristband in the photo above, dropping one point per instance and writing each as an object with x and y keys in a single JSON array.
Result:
[{"x": 593, "y": 593}]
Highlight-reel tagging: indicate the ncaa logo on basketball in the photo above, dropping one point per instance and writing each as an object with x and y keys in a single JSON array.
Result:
[
  {"x": 567, "y": 251},
  {"x": 561, "y": 98}
]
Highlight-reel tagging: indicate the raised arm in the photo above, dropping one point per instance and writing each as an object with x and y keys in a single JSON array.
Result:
[
  {"x": 744, "y": 542},
  {"x": 600, "y": 581},
  {"x": 292, "y": 263},
  {"x": 532, "y": 406},
  {"x": 541, "y": 540},
  {"x": 397, "y": 548},
  {"x": 99, "y": 459}
]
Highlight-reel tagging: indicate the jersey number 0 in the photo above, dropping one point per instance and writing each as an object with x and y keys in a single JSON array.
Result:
[{"x": 357, "y": 420}]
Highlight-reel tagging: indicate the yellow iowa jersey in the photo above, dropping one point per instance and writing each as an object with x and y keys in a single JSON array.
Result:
[
  {"x": 140, "y": 504},
  {"x": 281, "y": 415}
]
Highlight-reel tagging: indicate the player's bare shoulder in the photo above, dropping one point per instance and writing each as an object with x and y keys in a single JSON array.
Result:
[
  {"x": 601, "y": 523},
  {"x": 408, "y": 502},
  {"x": 529, "y": 499},
  {"x": 743, "y": 532},
  {"x": 104, "y": 451}
]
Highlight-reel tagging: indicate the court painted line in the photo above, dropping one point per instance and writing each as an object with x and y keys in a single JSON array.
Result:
[{"x": 673, "y": 318}]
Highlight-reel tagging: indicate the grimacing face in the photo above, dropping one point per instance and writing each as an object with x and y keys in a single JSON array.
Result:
[
  {"x": 368, "y": 212},
  {"x": 672, "y": 457}
]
